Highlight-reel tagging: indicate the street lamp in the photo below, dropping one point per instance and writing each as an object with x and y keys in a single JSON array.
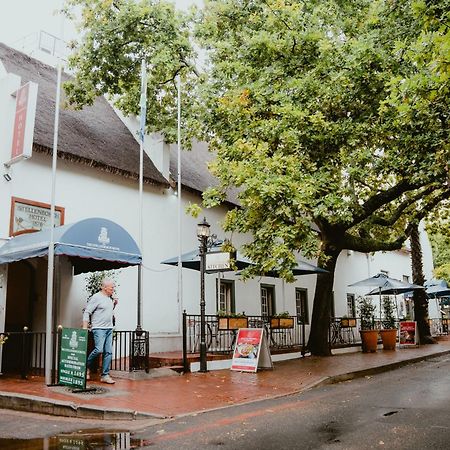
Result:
[{"x": 203, "y": 235}]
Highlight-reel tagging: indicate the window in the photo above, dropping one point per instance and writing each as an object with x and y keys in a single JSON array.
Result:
[
  {"x": 301, "y": 305},
  {"x": 267, "y": 300},
  {"x": 226, "y": 296},
  {"x": 406, "y": 278},
  {"x": 351, "y": 309}
]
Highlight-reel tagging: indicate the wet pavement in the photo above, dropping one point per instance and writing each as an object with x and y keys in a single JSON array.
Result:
[{"x": 171, "y": 396}]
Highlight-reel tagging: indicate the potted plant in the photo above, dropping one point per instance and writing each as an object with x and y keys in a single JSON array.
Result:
[
  {"x": 368, "y": 332},
  {"x": 232, "y": 321},
  {"x": 389, "y": 331},
  {"x": 282, "y": 320}
]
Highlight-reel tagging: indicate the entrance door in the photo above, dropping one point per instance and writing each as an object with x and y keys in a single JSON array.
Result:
[{"x": 19, "y": 312}]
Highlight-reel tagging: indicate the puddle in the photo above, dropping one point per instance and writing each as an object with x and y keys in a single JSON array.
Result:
[{"x": 77, "y": 441}]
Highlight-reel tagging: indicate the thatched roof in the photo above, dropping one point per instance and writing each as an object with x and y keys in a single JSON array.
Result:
[
  {"x": 195, "y": 175},
  {"x": 94, "y": 136}
]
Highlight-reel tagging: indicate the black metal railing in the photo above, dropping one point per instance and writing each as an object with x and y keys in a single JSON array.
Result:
[
  {"x": 439, "y": 326},
  {"x": 283, "y": 333},
  {"x": 24, "y": 352}
]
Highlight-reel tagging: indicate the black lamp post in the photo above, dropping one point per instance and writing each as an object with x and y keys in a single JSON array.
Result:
[{"x": 203, "y": 235}]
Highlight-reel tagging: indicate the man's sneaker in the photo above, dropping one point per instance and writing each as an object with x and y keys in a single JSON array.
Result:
[{"x": 107, "y": 379}]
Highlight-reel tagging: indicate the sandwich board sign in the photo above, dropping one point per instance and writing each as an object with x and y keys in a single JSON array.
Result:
[
  {"x": 251, "y": 351},
  {"x": 408, "y": 334},
  {"x": 72, "y": 357}
]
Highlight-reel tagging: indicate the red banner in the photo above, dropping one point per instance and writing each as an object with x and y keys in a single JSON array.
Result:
[{"x": 20, "y": 121}]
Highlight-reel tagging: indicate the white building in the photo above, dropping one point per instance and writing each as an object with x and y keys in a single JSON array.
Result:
[{"x": 97, "y": 176}]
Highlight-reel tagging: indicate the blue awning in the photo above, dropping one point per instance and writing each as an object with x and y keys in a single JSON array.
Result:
[{"x": 91, "y": 244}]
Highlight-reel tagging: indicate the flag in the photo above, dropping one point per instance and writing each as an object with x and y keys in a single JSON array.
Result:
[{"x": 143, "y": 101}]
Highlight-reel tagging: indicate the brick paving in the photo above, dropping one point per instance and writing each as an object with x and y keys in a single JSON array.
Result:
[{"x": 169, "y": 396}]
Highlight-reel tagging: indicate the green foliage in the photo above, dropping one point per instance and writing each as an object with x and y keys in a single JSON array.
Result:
[
  {"x": 366, "y": 310},
  {"x": 223, "y": 313},
  {"x": 3, "y": 338},
  {"x": 94, "y": 280},
  {"x": 116, "y": 36},
  {"x": 388, "y": 320},
  {"x": 284, "y": 314}
]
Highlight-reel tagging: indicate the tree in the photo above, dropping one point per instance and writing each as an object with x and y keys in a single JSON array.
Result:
[
  {"x": 117, "y": 35},
  {"x": 327, "y": 115},
  {"x": 419, "y": 295},
  {"x": 438, "y": 228}
]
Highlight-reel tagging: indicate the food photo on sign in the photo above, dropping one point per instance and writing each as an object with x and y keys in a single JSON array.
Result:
[{"x": 246, "y": 350}]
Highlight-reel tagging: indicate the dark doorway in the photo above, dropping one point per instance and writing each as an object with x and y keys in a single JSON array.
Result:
[{"x": 19, "y": 312}]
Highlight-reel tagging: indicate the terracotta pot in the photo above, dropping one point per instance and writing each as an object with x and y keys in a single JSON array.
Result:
[
  {"x": 389, "y": 338},
  {"x": 369, "y": 340}
]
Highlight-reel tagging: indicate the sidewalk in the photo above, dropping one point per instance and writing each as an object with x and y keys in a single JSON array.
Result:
[{"x": 176, "y": 395}]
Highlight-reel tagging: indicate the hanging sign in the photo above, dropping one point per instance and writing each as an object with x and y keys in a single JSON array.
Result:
[
  {"x": 408, "y": 333},
  {"x": 218, "y": 262},
  {"x": 72, "y": 357},
  {"x": 251, "y": 351},
  {"x": 23, "y": 129}
]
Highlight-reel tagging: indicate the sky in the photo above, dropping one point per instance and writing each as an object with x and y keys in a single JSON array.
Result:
[
  {"x": 21, "y": 23},
  {"x": 22, "y": 20}
]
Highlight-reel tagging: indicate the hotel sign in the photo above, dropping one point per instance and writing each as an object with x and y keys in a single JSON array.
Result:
[
  {"x": 28, "y": 216},
  {"x": 23, "y": 129}
]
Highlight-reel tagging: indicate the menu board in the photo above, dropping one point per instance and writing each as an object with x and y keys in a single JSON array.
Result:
[
  {"x": 251, "y": 351},
  {"x": 72, "y": 359},
  {"x": 408, "y": 333}
]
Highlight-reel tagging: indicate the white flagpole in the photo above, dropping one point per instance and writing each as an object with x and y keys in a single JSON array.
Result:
[
  {"x": 180, "y": 279},
  {"x": 143, "y": 105},
  {"x": 51, "y": 244}
]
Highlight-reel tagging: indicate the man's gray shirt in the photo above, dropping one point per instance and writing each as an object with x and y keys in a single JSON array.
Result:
[{"x": 99, "y": 309}]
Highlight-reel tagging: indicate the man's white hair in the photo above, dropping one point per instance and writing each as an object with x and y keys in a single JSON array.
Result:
[{"x": 108, "y": 282}]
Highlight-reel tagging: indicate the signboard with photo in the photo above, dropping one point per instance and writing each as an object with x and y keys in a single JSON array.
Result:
[
  {"x": 72, "y": 359},
  {"x": 251, "y": 351},
  {"x": 408, "y": 333}
]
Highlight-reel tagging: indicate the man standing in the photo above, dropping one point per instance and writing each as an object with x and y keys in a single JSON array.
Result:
[{"x": 99, "y": 310}]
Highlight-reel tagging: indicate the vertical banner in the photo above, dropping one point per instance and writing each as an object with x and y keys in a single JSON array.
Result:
[
  {"x": 73, "y": 355},
  {"x": 251, "y": 351},
  {"x": 22, "y": 141},
  {"x": 408, "y": 334}
]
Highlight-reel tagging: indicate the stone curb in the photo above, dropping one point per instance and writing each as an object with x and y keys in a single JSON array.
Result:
[
  {"x": 30, "y": 403},
  {"x": 333, "y": 379}
]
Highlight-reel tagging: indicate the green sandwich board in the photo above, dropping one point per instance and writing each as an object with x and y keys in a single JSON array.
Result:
[{"x": 72, "y": 357}]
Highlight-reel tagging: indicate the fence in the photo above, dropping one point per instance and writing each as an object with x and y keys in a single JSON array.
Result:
[
  {"x": 24, "y": 352},
  {"x": 284, "y": 334}
]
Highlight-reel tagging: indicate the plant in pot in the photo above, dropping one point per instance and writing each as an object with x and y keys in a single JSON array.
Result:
[
  {"x": 389, "y": 331},
  {"x": 368, "y": 332},
  {"x": 282, "y": 320},
  {"x": 232, "y": 321}
]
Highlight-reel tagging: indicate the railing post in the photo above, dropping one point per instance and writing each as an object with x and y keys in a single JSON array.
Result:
[
  {"x": 23, "y": 363},
  {"x": 185, "y": 359},
  {"x": 303, "y": 337}
]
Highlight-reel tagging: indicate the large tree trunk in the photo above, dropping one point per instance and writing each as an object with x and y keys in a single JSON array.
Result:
[
  {"x": 318, "y": 339},
  {"x": 419, "y": 297}
]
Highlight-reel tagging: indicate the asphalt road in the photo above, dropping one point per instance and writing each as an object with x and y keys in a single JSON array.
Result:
[{"x": 408, "y": 408}]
